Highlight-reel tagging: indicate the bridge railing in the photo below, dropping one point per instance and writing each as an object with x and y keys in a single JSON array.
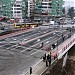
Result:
[{"x": 64, "y": 47}]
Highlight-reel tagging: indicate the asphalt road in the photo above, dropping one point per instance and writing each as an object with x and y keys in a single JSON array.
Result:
[
  {"x": 27, "y": 36},
  {"x": 15, "y": 59},
  {"x": 49, "y": 39}
]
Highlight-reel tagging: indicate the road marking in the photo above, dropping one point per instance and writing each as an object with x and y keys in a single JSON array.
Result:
[
  {"x": 47, "y": 42},
  {"x": 41, "y": 42},
  {"x": 34, "y": 52},
  {"x": 12, "y": 46},
  {"x": 22, "y": 51},
  {"x": 38, "y": 37}
]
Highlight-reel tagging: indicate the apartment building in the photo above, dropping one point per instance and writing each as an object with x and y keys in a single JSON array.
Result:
[
  {"x": 5, "y": 7},
  {"x": 30, "y": 8},
  {"x": 49, "y": 7},
  {"x": 16, "y": 9}
]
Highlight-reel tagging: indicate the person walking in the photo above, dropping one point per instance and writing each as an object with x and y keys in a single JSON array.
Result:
[
  {"x": 42, "y": 44},
  {"x": 30, "y": 70},
  {"x": 45, "y": 56},
  {"x": 48, "y": 57},
  {"x": 46, "y": 63},
  {"x": 49, "y": 62}
]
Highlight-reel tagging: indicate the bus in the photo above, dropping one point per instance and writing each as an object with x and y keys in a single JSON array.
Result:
[
  {"x": 25, "y": 25},
  {"x": 19, "y": 25}
]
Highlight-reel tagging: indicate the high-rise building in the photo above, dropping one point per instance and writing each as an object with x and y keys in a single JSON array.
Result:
[
  {"x": 57, "y": 6},
  {"x": 24, "y": 8},
  {"x": 31, "y": 5},
  {"x": 29, "y": 8},
  {"x": 5, "y": 7},
  {"x": 17, "y": 8},
  {"x": 49, "y": 7},
  {"x": 13, "y": 8}
]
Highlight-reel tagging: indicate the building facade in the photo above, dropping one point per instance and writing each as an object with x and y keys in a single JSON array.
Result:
[
  {"x": 46, "y": 7},
  {"x": 17, "y": 8},
  {"x": 57, "y": 6},
  {"x": 49, "y": 7},
  {"x": 14, "y": 8},
  {"x": 5, "y": 7},
  {"x": 24, "y": 8},
  {"x": 29, "y": 8}
]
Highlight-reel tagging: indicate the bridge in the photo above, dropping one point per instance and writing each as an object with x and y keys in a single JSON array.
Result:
[
  {"x": 56, "y": 54},
  {"x": 25, "y": 56}
]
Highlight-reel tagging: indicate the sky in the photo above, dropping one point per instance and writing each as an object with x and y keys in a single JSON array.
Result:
[{"x": 70, "y": 3}]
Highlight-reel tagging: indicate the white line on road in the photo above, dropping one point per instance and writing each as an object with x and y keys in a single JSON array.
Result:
[
  {"x": 34, "y": 52},
  {"x": 22, "y": 51}
]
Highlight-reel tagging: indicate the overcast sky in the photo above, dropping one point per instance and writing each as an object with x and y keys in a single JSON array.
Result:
[{"x": 70, "y": 3}]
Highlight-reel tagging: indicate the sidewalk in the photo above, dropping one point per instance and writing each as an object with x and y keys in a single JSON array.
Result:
[{"x": 38, "y": 69}]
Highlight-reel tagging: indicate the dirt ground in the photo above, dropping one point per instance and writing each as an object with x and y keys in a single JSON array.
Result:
[{"x": 69, "y": 69}]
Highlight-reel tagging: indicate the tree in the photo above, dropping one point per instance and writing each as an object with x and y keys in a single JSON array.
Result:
[{"x": 71, "y": 12}]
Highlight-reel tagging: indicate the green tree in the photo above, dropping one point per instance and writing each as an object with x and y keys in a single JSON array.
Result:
[{"x": 71, "y": 12}]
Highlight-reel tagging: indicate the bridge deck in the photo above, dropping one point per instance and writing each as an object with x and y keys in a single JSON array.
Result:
[{"x": 41, "y": 66}]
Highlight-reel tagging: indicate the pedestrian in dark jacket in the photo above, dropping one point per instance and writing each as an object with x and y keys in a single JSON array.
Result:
[
  {"x": 48, "y": 57},
  {"x": 45, "y": 56},
  {"x": 30, "y": 70},
  {"x": 49, "y": 62},
  {"x": 46, "y": 63}
]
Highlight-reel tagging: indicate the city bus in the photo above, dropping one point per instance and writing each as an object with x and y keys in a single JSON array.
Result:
[
  {"x": 25, "y": 25},
  {"x": 19, "y": 25}
]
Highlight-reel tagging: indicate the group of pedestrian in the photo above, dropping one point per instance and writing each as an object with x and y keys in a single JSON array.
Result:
[{"x": 47, "y": 59}]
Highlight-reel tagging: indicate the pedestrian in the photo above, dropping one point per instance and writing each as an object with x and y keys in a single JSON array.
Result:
[
  {"x": 48, "y": 57},
  {"x": 42, "y": 44},
  {"x": 49, "y": 62},
  {"x": 53, "y": 45},
  {"x": 30, "y": 70},
  {"x": 45, "y": 56},
  {"x": 46, "y": 63},
  {"x": 63, "y": 38}
]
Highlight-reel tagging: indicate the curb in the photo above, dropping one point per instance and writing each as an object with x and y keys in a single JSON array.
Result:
[{"x": 34, "y": 66}]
